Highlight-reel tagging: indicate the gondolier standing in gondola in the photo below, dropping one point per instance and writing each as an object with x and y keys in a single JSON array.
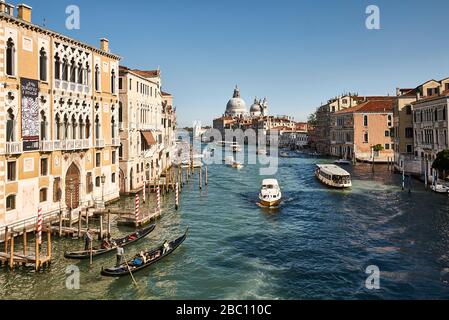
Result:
[
  {"x": 88, "y": 239},
  {"x": 120, "y": 253}
]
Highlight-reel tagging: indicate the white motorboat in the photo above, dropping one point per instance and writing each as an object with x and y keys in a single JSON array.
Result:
[
  {"x": 439, "y": 188},
  {"x": 237, "y": 165},
  {"x": 270, "y": 194},
  {"x": 333, "y": 176},
  {"x": 261, "y": 151},
  {"x": 342, "y": 162}
]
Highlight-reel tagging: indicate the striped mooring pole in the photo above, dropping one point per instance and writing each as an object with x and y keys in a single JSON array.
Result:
[
  {"x": 177, "y": 196},
  {"x": 137, "y": 209},
  {"x": 158, "y": 198},
  {"x": 40, "y": 221}
]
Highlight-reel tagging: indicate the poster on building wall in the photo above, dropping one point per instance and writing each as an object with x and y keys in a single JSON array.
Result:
[{"x": 30, "y": 114}]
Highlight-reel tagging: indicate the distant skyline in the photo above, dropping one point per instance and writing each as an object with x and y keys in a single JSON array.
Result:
[{"x": 296, "y": 53}]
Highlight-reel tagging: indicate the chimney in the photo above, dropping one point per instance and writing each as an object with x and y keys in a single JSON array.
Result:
[
  {"x": 418, "y": 95},
  {"x": 24, "y": 12},
  {"x": 104, "y": 44},
  {"x": 398, "y": 92},
  {"x": 7, "y": 8},
  {"x": 2, "y": 6}
]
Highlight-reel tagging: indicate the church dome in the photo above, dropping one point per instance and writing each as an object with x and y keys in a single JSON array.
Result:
[
  {"x": 255, "y": 107},
  {"x": 236, "y": 105}
]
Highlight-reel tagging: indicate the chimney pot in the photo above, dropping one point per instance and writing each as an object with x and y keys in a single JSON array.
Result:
[
  {"x": 104, "y": 44},
  {"x": 24, "y": 12}
]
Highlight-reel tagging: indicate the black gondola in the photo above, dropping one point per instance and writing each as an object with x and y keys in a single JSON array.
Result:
[
  {"x": 151, "y": 256},
  {"x": 131, "y": 238}
]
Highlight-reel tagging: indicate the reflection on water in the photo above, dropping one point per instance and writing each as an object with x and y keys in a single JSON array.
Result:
[{"x": 317, "y": 244}]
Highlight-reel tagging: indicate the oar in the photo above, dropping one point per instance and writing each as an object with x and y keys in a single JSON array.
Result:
[{"x": 130, "y": 272}]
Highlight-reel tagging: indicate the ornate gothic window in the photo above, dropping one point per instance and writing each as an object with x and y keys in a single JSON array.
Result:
[
  {"x": 43, "y": 65},
  {"x": 57, "y": 67},
  {"x": 10, "y": 57},
  {"x": 97, "y": 78}
]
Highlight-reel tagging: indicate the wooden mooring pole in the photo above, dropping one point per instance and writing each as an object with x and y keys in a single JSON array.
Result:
[
  {"x": 49, "y": 244},
  {"x": 6, "y": 240},
  {"x": 206, "y": 177},
  {"x": 37, "y": 253},
  {"x": 60, "y": 224},
  {"x": 79, "y": 224},
  {"x": 177, "y": 196},
  {"x": 109, "y": 223},
  {"x": 11, "y": 253},
  {"x": 25, "y": 244},
  {"x": 100, "y": 236},
  {"x": 200, "y": 178}
]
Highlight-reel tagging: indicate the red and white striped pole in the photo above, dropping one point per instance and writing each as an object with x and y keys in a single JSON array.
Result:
[
  {"x": 177, "y": 196},
  {"x": 40, "y": 221},
  {"x": 137, "y": 211},
  {"x": 158, "y": 198}
]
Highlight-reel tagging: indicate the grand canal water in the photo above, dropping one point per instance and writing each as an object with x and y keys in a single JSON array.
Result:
[{"x": 317, "y": 245}]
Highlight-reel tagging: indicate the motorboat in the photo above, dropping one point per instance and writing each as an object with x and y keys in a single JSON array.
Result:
[
  {"x": 261, "y": 152},
  {"x": 439, "y": 188},
  {"x": 333, "y": 176},
  {"x": 270, "y": 194},
  {"x": 237, "y": 165},
  {"x": 342, "y": 162}
]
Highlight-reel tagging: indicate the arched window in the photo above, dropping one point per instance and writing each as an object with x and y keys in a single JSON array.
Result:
[
  {"x": 66, "y": 127},
  {"x": 65, "y": 69},
  {"x": 74, "y": 124},
  {"x": 58, "y": 127},
  {"x": 72, "y": 71},
  {"x": 43, "y": 65},
  {"x": 120, "y": 112},
  {"x": 10, "y": 126},
  {"x": 57, "y": 67},
  {"x": 80, "y": 73},
  {"x": 97, "y": 78},
  {"x": 80, "y": 128},
  {"x": 86, "y": 74},
  {"x": 11, "y": 202},
  {"x": 113, "y": 81},
  {"x": 43, "y": 126},
  {"x": 120, "y": 151},
  {"x": 97, "y": 128},
  {"x": 10, "y": 57},
  {"x": 87, "y": 128}
]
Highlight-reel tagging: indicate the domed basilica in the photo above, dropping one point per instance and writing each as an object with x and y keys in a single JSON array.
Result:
[{"x": 236, "y": 107}]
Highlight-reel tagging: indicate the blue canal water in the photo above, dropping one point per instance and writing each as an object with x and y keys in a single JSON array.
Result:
[{"x": 317, "y": 245}]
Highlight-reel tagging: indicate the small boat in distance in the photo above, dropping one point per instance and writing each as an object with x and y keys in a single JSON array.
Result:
[
  {"x": 261, "y": 151},
  {"x": 342, "y": 162},
  {"x": 333, "y": 176},
  {"x": 439, "y": 188},
  {"x": 270, "y": 194},
  {"x": 139, "y": 262},
  {"x": 283, "y": 154}
]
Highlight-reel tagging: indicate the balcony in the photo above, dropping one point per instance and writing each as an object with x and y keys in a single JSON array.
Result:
[
  {"x": 73, "y": 144},
  {"x": 46, "y": 146},
  {"x": 116, "y": 142},
  {"x": 99, "y": 143},
  {"x": 13, "y": 147}
]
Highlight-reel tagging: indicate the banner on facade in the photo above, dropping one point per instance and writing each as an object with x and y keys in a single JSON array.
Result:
[{"x": 30, "y": 114}]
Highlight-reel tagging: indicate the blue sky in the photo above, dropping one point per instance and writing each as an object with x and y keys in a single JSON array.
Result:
[{"x": 297, "y": 53}]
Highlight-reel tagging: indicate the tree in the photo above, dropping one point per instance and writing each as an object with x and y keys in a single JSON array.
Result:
[
  {"x": 441, "y": 162},
  {"x": 377, "y": 148},
  {"x": 311, "y": 120}
]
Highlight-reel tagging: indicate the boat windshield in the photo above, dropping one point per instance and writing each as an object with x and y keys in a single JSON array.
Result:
[{"x": 268, "y": 186}]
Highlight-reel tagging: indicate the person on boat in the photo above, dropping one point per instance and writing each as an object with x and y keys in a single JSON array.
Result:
[
  {"x": 142, "y": 255},
  {"x": 88, "y": 239},
  {"x": 166, "y": 247},
  {"x": 120, "y": 253}
]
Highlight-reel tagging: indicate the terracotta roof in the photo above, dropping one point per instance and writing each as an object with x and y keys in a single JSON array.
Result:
[
  {"x": 282, "y": 128},
  {"x": 371, "y": 106},
  {"x": 165, "y": 93},
  {"x": 147, "y": 73},
  {"x": 444, "y": 94}
]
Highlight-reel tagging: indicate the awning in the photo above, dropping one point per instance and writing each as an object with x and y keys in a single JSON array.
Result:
[{"x": 148, "y": 135}]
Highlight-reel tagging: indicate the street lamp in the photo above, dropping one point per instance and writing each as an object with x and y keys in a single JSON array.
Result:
[{"x": 103, "y": 180}]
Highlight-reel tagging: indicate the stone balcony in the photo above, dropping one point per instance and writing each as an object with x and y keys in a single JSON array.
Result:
[
  {"x": 99, "y": 143},
  {"x": 13, "y": 147}
]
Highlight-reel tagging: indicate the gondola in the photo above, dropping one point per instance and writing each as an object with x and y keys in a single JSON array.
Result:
[
  {"x": 152, "y": 256},
  {"x": 131, "y": 238}
]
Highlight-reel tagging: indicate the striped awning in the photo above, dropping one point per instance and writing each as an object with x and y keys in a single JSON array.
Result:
[{"x": 148, "y": 136}]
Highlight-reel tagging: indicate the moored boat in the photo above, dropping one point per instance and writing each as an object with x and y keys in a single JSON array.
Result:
[
  {"x": 108, "y": 246},
  {"x": 270, "y": 194},
  {"x": 139, "y": 262},
  {"x": 333, "y": 176},
  {"x": 237, "y": 165},
  {"x": 439, "y": 188},
  {"x": 342, "y": 162}
]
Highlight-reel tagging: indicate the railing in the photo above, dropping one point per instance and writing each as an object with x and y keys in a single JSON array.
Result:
[
  {"x": 13, "y": 147},
  {"x": 73, "y": 144},
  {"x": 116, "y": 142},
  {"x": 46, "y": 146},
  {"x": 99, "y": 143},
  {"x": 86, "y": 144}
]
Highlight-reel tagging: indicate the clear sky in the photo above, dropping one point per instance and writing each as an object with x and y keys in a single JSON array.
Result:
[{"x": 297, "y": 53}]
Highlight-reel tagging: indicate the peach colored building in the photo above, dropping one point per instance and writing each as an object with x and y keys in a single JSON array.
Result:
[{"x": 355, "y": 131}]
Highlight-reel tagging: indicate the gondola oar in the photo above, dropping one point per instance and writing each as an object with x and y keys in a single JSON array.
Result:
[{"x": 129, "y": 269}]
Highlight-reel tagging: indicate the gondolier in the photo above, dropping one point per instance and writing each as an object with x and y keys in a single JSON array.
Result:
[
  {"x": 120, "y": 253},
  {"x": 88, "y": 240}
]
